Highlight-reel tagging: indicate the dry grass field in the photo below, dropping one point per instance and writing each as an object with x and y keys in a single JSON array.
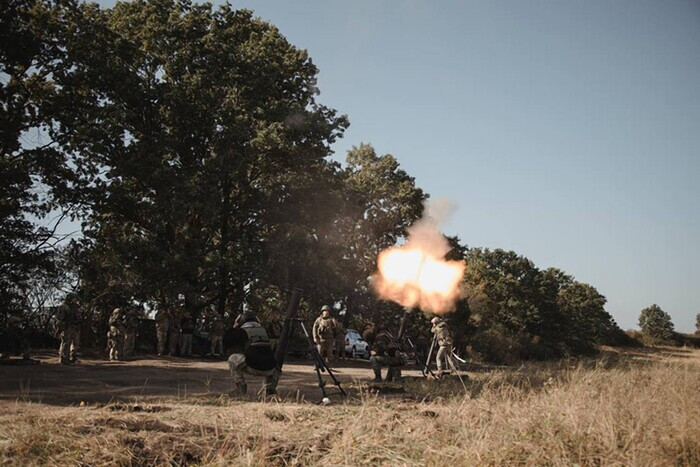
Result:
[{"x": 639, "y": 407}]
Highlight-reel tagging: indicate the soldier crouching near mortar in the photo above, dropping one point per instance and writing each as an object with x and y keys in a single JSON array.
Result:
[
  {"x": 386, "y": 353},
  {"x": 252, "y": 354}
]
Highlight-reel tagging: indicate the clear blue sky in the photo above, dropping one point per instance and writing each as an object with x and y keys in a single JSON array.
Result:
[{"x": 568, "y": 131}]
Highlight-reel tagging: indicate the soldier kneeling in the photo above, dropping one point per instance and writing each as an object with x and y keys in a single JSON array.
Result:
[
  {"x": 252, "y": 355},
  {"x": 386, "y": 353}
]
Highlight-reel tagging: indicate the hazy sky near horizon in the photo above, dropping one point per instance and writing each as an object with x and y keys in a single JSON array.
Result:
[{"x": 568, "y": 131}]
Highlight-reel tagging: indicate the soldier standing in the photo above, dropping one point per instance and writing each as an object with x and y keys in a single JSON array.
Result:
[
  {"x": 216, "y": 333},
  {"x": 386, "y": 353},
  {"x": 16, "y": 339},
  {"x": 116, "y": 334},
  {"x": 324, "y": 334},
  {"x": 187, "y": 329},
  {"x": 252, "y": 354},
  {"x": 131, "y": 327},
  {"x": 173, "y": 334},
  {"x": 339, "y": 334},
  {"x": 68, "y": 319},
  {"x": 444, "y": 340},
  {"x": 163, "y": 318}
]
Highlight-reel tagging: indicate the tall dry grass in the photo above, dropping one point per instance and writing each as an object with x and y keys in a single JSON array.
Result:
[{"x": 599, "y": 412}]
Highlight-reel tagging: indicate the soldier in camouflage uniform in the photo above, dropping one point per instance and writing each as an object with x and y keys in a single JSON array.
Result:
[
  {"x": 17, "y": 342},
  {"x": 131, "y": 326},
  {"x": 173, "y": 334},
  {"x": 163, "y": 317},
  {"x": 444, "y": 340},
  {"x": 324, "y": 334},
  {"x": 385, "y": 352},
  {"x": 252, "y": 355},
  {"x": 339, "y": 335},
  {"x": 116, "y": 333},
  {"x": 216, "y": 333},
  {"x": 68, "y": 319}
]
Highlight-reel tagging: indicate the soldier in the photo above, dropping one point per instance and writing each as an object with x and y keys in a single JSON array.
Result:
[
  {"x": 216, "y": 333},
  {"x": 68, "y": 319},
  {"x": 339, "y": 335},
  {"x": 173, "y": 334},
  {"x": 16, "y": 339},
  {"x": 386, "y": 353},
  {"x": 187, "y": 326},
  {"x": 252, "y": 355},
  {"x": 163, "y": 318},
  {"x": 444, "y": 340},
  {"x": 324, "y": 334},
  {"x": 116, "y": 333},
  {"x": 131, "y": 326}
]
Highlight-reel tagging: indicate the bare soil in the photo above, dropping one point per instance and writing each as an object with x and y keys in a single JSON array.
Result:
[{"x": 97, "y": 380}]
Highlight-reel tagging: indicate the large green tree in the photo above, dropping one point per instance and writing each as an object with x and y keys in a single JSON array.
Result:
[
  {"x": 32, "y": 166},
  {"x": 193, "y": 128},
  {"x": 656, "y": 323}
]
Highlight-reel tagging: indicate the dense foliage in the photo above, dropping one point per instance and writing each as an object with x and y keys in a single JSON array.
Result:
[
  {"x": 656, "y": 323},
  {"x": 190, "y": 142}
]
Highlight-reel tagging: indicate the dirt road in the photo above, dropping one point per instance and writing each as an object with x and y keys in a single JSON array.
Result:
[{"x": 98, "y": 380}]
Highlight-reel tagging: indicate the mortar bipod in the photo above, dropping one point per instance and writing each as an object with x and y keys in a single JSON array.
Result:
[{"x": 320, "y": 365}]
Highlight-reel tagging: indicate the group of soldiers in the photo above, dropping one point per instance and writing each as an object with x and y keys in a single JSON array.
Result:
[
  {"x": 177, "y": 332},
  {"x": 251, "y": 344},
  {"x": 329, "y": 337},
  {"x": 123, "y": 329}
]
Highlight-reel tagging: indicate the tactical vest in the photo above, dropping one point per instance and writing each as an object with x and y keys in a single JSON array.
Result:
[
  {"x": 257, "y": 336},
  {"x": 443, "y": 334},
  {"x": 325, "y": 328}
]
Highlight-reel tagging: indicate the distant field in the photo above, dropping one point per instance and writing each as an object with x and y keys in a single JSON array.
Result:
[{"x": 631, "y": 408}]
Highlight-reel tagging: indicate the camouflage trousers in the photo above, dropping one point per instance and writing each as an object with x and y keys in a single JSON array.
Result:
[
  {"x": 325, "y": 349},
  {"x": 115, "y": 343},
  {"x": 376, "y": 362},
  {"x": 66, "y": 352},
  {"x": 217, "y": 345},
  {"x": 443, "y": 353},
  {"x": 340, "y": 347},
  {"x": 185, "y": 344},
  {"x": 238, "y": 369},
  {"x": 173, "y": 340},
  {"x": 161, "y": 336}
]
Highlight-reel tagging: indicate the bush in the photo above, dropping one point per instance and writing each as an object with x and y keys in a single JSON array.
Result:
[{"x": 656, "y": 323}]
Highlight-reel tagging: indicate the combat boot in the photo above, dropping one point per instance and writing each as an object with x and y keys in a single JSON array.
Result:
[
  {"x": 377, "y": 375},
  {"x": 389, "y": 375}
]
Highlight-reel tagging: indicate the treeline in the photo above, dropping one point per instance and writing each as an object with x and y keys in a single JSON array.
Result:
[{"x": 190, "y": 144}]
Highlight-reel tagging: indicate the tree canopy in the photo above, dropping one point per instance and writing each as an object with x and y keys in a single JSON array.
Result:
[{"x": 191, "y": 143}]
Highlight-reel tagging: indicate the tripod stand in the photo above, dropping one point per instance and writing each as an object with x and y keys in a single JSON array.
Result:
[
  {"x": 450, "y": 359},
  {"x": 319, "y": 364}
]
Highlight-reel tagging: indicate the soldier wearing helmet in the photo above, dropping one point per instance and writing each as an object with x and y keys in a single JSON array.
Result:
[
  {"x": 252, "y": 354},
  {"x": 444, "y": 340},
  {"x": 324, "y": 331}
]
